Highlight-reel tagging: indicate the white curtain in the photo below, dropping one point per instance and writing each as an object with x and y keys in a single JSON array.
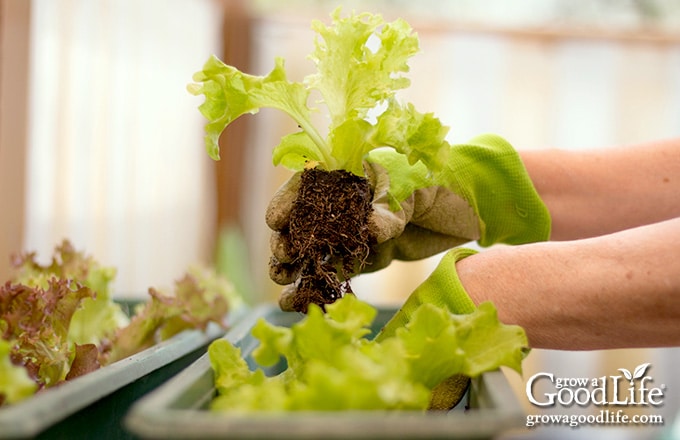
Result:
[{"x": 116, "y": 161}]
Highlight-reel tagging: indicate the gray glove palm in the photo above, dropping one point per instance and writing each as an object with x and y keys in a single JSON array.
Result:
[{"x": 484, "y": 194}]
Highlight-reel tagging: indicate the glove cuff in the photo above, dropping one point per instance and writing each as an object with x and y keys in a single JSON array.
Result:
[
  {"x": 442, "y": 289},
  {"x": 489, "y": 173}
]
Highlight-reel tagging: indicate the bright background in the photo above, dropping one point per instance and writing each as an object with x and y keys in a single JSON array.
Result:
[{"x": 113, "y": 155}]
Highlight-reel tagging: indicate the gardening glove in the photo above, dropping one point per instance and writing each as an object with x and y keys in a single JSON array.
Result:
[
  {"x": 483, "y": 194},
  {"x": 443, "y": 289}
]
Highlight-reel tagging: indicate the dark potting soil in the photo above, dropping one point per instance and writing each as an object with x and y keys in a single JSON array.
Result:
[{"x": 329, "y": 232}]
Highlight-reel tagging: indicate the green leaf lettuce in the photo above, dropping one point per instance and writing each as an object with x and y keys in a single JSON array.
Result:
[
  {"x": 35, "y": 321},
  {"x": 332, "y": 365},
  {"x": 58, "y": 321},
  {"x": 15, "y": 383},
  {"x": 361, "y": 61},
  {"x": 200, "y": 297},
  {"x": 96, "y": 318}
]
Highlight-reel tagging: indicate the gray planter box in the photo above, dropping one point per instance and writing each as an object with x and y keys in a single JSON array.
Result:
[
  {"x": 178, "y": 409},
  {"x": 93, "y": 405}
]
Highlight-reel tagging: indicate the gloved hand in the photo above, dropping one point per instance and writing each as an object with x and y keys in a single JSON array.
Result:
[
  {"x": 443, "y": 289},
  {"x": 484, "y": 193}
]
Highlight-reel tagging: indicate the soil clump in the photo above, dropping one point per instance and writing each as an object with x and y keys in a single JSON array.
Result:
[{"x": 329, "y": 232}]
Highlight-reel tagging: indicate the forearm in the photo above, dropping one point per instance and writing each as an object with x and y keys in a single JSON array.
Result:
[
  {"x": 590, "y": 193},
  {"x": 618, "y": 290}
]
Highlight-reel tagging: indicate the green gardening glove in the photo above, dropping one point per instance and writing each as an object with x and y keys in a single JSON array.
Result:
[
  {"x": 442, "y": 289},
  {"x": 483, "y": 194}
]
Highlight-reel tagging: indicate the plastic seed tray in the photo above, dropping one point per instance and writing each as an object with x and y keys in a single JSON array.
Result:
[{"x": 179, "y": 408}]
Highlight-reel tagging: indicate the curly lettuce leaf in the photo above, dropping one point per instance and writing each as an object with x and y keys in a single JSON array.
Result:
[
  {"x": 15, "y": 383},
  {"x": 231, "y": 93},
  {"x": 98, "y": 317},
  {"x": 419, "y": 136},
  {"x": 85, "y": 361},
  {"x": 36, "y": 322},
  {"x": 44, "y": 308},
  {"x": 198, "y": 298},
  {"x": 331, "y": 365},
  {"x": 438, "y": 343},
  {"x": 361, "y": 61}
]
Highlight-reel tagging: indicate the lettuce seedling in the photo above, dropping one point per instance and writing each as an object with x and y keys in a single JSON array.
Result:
[
  {"x": 97, "y": 317},
  {"x": 360, "y": 65},
  {"x": 360, "y": 62},
  {"x": 332, "y": 364},
  {"x": 58, "y": 321}
]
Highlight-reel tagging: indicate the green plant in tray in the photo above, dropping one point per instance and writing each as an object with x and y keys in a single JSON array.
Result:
[
  {"x": 332, "y": 365},
  {"x": 58, "y": 321}
]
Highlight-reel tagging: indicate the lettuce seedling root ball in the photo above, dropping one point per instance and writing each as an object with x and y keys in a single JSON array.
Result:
[{"x": 329, "y": 232}]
